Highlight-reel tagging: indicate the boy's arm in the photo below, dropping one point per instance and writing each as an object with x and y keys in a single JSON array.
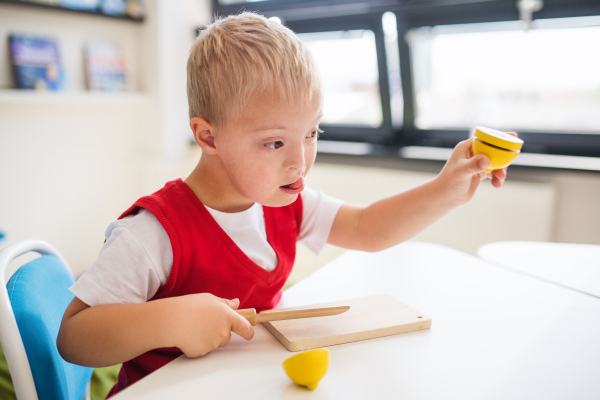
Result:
[
  {"x": 395, "y": 219},
  {"x": 110, "y": 334}
]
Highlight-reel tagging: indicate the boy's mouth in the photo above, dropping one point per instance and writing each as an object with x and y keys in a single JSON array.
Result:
[{"x": 295, "y": 187}]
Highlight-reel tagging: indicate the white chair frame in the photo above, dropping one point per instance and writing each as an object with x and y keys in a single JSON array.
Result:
[{"x": 10, "y": 338}]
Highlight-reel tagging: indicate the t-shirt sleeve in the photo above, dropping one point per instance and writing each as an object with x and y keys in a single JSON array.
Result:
[
  {"x": 318, "y": 212},
  {"x": 133, "y": 264}
]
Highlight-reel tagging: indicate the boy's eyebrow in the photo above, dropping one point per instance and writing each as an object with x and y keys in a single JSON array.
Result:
[
  {"x": 283, "y": 127},
  {"x": 276, "y": 128}
]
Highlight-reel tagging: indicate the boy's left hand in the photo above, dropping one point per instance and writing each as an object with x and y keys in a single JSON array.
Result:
[{"x": 463, "y": 171}]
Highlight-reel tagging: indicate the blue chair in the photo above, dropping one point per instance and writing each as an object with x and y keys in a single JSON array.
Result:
[{"x": 31, "y": 310}]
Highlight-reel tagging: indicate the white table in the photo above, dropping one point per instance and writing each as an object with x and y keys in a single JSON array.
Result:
[
  {"x": 575, "y": 266},
  {"x": 495, "y": 335}
]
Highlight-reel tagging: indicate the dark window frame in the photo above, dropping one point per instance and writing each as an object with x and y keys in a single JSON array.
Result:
[{"x": 327, "y": 15}]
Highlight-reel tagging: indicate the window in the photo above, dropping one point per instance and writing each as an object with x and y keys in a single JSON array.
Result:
[
  {"x": 423, "y": 73},
  {"x": 351, "y": 83},
  {"x": 497, "y": 74}
]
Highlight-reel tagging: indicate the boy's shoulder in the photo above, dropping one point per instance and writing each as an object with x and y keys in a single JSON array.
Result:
[{"x": 140, "y": 225}]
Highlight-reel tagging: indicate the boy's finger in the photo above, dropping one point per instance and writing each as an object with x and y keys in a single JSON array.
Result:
[
  {"x": 500, "y": 174},
  {"x": 497, "y": 183},
  {"x": 464, "y": 144},
  {"x": 463, "y": 149},
  {"x": 225, "y": 341},
  {"x": 476, "y": 164},
  {"x": 242, "y": 327},
  {"x": 234, "y": 304}
]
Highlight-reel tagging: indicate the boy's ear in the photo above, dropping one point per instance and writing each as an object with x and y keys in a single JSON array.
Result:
[{"x": 203, "y": 135}]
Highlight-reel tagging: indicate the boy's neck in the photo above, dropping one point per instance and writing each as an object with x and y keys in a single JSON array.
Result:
[{"x": 214, "y": 188}]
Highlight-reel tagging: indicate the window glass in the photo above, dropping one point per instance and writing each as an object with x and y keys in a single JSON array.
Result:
[
  {"x": 499, "y": 75},
  {"x": 347, "y": 61},
  {"x": 390, "y": 31}
]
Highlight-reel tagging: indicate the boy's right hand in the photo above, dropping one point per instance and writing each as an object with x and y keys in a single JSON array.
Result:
[{"x": 202, "y": 322}]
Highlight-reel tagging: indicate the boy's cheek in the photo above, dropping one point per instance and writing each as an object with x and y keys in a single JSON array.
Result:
[{"x": 310, "y": 159}]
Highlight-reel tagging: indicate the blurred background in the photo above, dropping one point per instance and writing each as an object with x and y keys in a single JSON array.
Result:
[{"x": 93, "y": 110}]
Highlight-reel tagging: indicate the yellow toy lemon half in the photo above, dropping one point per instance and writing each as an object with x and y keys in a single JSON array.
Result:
[
  {"x": 499, "y": 158},
  {"x": 308, "y": 368},
  {"x": 501, "y": 148}
]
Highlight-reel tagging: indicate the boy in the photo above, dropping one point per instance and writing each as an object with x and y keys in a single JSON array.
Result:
[{"x": 225, "y": 238}]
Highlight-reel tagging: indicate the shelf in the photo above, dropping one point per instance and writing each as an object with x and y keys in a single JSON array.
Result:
[
  {"x": 15, "y": 96},
  {"x": 67, "y": 9}
]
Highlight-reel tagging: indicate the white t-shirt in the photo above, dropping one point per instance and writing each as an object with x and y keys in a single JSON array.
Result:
[{"x": 137, "y": 258}]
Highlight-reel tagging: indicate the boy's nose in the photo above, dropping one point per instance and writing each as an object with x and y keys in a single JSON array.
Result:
[{"x": 296, "y": 159}]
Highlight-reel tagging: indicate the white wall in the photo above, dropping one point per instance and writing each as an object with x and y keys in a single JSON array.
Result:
[
  {"x": 577, "y": 212},
  {"x": 176, "y": 33},
  {"x": 72, "y": 162},
  {"x": 61, "y": 166}
]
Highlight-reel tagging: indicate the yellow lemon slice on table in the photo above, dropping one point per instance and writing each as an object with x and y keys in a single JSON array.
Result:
[{"x": 308, "y": 368}]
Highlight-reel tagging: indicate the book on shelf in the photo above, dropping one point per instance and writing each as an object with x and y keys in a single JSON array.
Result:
[
  {"x": 132, "y": 8},
  {"x": 45, "y": 2},
  {"x": 114, "y": 7},
  {"x": 119, "y": 8},
  {"x": 106, "y": 69},
  {"x": 135, "y": 8},
  {"x": 36, "y": 62},
  {"x": 89, "y": 5}
]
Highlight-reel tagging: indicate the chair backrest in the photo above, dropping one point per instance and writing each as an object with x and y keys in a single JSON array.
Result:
[{"x": 31, "y": 310}]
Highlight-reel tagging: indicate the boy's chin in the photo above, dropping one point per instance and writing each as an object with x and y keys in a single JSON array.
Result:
[{"x": 281, "y": 200}]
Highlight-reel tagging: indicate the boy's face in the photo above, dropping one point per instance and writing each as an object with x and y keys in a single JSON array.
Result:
[{"x": 268, "y": 151}]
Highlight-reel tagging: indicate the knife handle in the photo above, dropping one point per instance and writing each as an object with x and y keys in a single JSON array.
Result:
[
  {"x": 275, "y": 315},
  {"x": 249, "y": 314}
]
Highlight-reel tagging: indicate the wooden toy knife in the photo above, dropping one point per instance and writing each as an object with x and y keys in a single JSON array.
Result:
[{"x": 274, "y": 315}]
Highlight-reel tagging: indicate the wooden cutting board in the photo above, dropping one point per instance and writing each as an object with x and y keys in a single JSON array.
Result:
[{"x": 368, "y": 318}]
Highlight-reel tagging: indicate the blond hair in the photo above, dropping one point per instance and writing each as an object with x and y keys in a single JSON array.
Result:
[{"x": 238, "y": 57}]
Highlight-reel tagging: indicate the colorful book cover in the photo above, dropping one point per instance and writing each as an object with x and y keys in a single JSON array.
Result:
[
  {"x": 114, "y": 7},
  {"x": 136, "y": 9},
  {"x": 105, "y": 67},
  {"x": 89, "y": 5},
  {"x": 46, "y": 2},
  {"x": 36, "y": 62}
]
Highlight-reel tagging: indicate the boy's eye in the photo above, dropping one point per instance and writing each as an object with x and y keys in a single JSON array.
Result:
[
  {"x": 315, "y": 134},
  {"x": 274, "y": 145}
]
